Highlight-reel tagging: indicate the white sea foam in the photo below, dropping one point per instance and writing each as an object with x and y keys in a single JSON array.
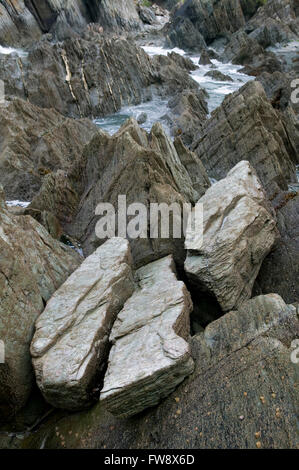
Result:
[{"x": 17, "y": 204}]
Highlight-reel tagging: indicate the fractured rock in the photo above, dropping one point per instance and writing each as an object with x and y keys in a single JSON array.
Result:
[
  {"x": 34, "y": 142},
  {"x": 239, "y": 231},
  {"x": 147, "y": 169},
  {"x": 247, "y": 127},
  {"x": 32, "y": 268},
  {"x": 240, "y": 358},
  {"x": 70, "y": 344},
  {"x": 150, "y": 355}
]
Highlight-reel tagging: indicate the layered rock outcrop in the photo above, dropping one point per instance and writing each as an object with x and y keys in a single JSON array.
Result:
[
  {"x": 32, "y": 268},
  {"x": 150, "y": 355},
  {"x": 241, "y": 394},
  {"x": 146, "y": 169},
  {"x": 238, "y": 232},
  {"x": 199, "y": 21},
  {"x": 70, "y": 345},
  {"x": 23, "y": 22},
  {"x": 247, "y": 127},
  {"x": 35, "y": 142},
  {"x": 91, "y": 76}
]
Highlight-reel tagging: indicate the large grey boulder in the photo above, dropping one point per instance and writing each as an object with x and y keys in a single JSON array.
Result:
[
  {"x": 242, "y": 393},
  {"x": 32, "y": 268},
  {"x": 239, "y": 231},
  {"x": 150, "y": 355},
  {"x": 247, "y": 127},
  {"x": 70, "y": 344}
]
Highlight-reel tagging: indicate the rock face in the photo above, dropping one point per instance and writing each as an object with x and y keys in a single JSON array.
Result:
[
  {"x": 70, "y": 344},
  {"x": 150, "y": 355},
  {"x": 280, "y": 270},
  {"x": 241, "y": 394},
  {"x": 80, "y": 77},
  {"x": 247, "y": 127},
  {"x": 275, "y": 22},
  {"x": 147, "y": 169},
  {"x": 245, "y": 50},
  {"x": 17, "y": 24},
  {"x": 32, "y": 267},
  {"x": 188, "y": 112},
  {"x": 204, "y": 21},
  {"x": 238, "y": 232},
  {"x": 22, "y": 22},
  {"x": 35, "y": 142}
]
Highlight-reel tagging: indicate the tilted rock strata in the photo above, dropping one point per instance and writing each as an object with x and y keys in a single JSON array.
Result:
[
  {"x": 70, "y": 344},
  {"x": 23, "y": 22},
  {"x": 35, "y": 142},
  {"x": 239, "y": 231},
  {"x": 247, "y": 127},
  {"x": 146, "y": 168},
  {"x": 150, "y": 355},
  {"x": 91, "y": 76},
  {"x": 32, "y": 268}
]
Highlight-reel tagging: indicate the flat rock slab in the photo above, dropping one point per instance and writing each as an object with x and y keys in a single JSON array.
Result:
[
  {"x": 150, "y": 355},
  {"x": 239, "y": 231},
  {"x": 69, "y": 347}
]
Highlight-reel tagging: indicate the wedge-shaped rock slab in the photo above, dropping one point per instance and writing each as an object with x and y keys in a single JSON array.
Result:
[
  {"x": 150, "y": 355},
  {"x": 239, "y": 231},
  {"x": 69, "y": 347}
]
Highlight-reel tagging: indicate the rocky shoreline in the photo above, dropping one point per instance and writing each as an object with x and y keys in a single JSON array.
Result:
[{"x": 153, "y": 342}]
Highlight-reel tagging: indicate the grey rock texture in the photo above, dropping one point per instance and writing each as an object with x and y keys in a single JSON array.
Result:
[
  {"x": 242, "y": 393},
  {"x": 23, "y": 22},
  {"x": 146, "y": 168},
  {"x": 188, "y": 112},
  {"x": 17, "y": 24},
  {"x": 150, "y": 355},
  {"x": 91, "y": 76},
  {"x": 217, "y": 75},
  {"x": 197, "y": 21},
  {"x": 32, "y": 268},
  {"x": 70, "y": 344},
  {"x": 35, "y": 142},
  {"x": 280, "y": 270},
  {"x": 247, "y": 127},
  {"x": 275, "y": 22},
  {"x": 238, "y": 232}
]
